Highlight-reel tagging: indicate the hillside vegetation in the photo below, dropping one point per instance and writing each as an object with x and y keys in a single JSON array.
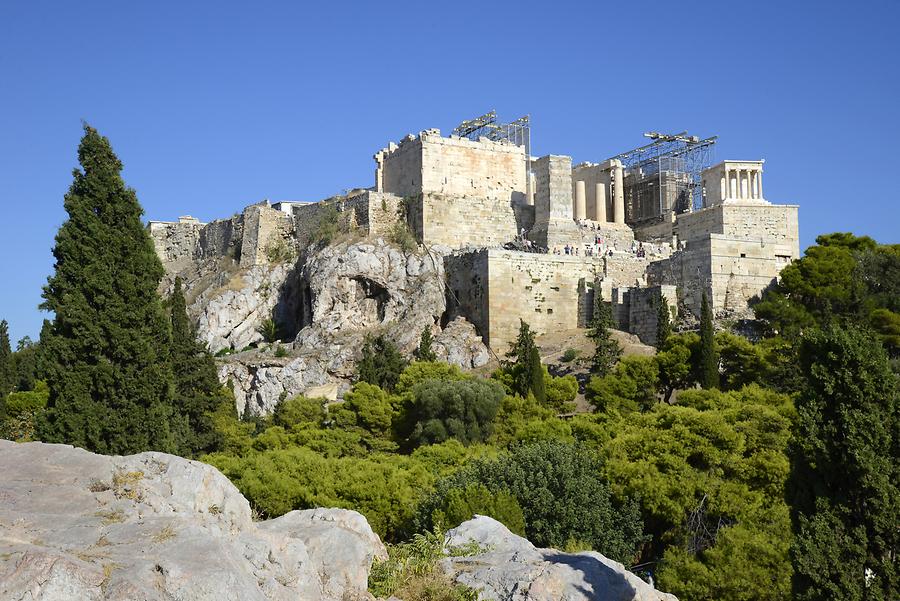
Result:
[{"x": 728, "y": 469}]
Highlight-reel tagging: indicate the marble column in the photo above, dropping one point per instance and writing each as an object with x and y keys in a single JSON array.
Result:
[
  {"x": 529, "y": 198},
  {"x": 580, "y": 209},
  {"x": 619, "y": 195},
  {"x": 600, "y": 205}
]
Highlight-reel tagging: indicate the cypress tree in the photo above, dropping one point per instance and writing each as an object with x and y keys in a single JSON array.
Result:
[
  {"x": 663, "y": 322},
  {"x": 6, "y": 371},
  {"x": 844, "y": 487},
  {"x": 709, "y": 358},
  {"x": 606, "y": 350},
  {"x": 525, "y": 365},
  {"x": 425, "y": 352},
  {"x": 198, "y": 392},
  {"x": 106, "y": 351}
]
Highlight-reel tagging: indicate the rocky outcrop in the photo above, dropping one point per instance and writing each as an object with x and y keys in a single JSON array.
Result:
[
  {"x": 79, "y": 526},
  {"x": 229, "y": 315},
  {"x": 510, "y": 568},
  {"x": 341, "y": 293},
  {"x": 259, "y": 381}
]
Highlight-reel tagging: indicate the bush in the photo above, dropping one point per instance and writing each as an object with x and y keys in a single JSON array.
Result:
[
  {"x": 412, "y": 572},
  {"x": 631, "y": 387},
  {"x": 463, "y": 504},
  {"x": 460, "y": 409},
  {"x": 563, "y": 500},
  {"x": 328, "y": 226},
  {"x": 299, "y": 410},
  {"x": 570, "y": 355},
  {"x": 20, "y": 410},
  {"x": 401, "y": 235}
]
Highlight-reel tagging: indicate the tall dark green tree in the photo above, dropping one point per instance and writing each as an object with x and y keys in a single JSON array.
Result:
[
  {"x": 381, "y": 363},
  {"x": 198, "y": 392},
  {"x": 106, "y": 351},
  {"x": 425, "y": 352},
  {"x": 6, "y": 367},
  {"x": 663, "y": 322},
  {"x": 845, "y": 482},
  {"x": 524, "y": 363},
  {"x": 606, "y": 349},
  {"x": 709, "y": 358}
]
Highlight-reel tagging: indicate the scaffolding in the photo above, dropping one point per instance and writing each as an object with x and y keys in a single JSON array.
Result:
[
  {"x": 517, "y": 132},
  {"x": 664, "y": 175}
]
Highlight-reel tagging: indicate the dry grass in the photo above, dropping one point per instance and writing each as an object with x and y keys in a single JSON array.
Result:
[
  {"x": 167, "y": 533},
  {"x": 111, "y": 517},
  {"x": 125, "y": 485}
]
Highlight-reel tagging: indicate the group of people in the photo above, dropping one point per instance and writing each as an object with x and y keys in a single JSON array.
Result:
[{"x": 598, "y": 248}]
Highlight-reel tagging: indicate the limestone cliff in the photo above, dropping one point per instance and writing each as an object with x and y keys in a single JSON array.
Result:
[{"x": 325, "y": 303}]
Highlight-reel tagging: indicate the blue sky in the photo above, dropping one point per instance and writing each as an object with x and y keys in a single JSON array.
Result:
[{"x": 214, "y": 105}]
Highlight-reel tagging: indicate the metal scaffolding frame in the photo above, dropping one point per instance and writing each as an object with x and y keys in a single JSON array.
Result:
[{"x": 667, "y": 168}]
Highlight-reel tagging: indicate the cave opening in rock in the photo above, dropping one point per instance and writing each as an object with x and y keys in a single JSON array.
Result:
[{"x": 368, "y": 289}]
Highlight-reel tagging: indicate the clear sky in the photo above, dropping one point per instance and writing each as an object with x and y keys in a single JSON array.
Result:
[{"x": 214, "y": 105}]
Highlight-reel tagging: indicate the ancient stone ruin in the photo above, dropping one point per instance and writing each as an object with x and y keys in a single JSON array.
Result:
[{"x": 494, "y": 235}]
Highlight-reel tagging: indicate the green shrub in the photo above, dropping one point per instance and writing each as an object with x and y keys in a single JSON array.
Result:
[
  {"x": 460, "y": 409},
  {"x": 562, "y": 497},
  {"x": 412, "y": 573},
  {"x": 402, "y": 236},
  {"x": 570, "y": 355},
  {"x": 461, "y": 505},
  {"x": 20, "y": 410}
]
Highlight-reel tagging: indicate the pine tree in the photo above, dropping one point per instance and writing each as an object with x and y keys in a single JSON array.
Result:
[
  {"x": 425, "y": 352},
  {"x": 606, "y": 350},
  {"x": 198, "y": 392},
  {"x": 525, "y": 365},
  {"x": 663, "y": 322},
  {"x": 709, "y": 358},
  {"x": 105, "y": 353},
  {"x": 6, "y": 368},
  {"x": 844, "y": 488}
]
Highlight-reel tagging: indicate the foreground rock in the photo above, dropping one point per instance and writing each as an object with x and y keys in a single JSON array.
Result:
[
  {"x": 78, "y": 526},
  {"x": 512, "y": 569}
]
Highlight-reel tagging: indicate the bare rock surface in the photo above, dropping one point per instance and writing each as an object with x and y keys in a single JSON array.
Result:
[
  {"x": 78, "y": 526},
  {"x": 512, "y": 569},
  {"x": 229, "y": 314},
  {"x": 343, "y": 293}
]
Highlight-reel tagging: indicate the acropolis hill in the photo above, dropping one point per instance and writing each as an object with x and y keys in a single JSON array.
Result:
[{"x": 501, "y": 236}]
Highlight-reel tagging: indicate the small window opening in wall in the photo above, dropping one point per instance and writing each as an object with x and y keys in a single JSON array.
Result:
[
  {"x": 549, "y": 311},
  {"x": 743, "y": 255}
]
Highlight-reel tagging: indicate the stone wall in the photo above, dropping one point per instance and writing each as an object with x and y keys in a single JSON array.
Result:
[
  {"x": 635, "y": 310},
  {"x": 454, "y": 166},
  {"x": 176, "y": 242},
  {"x": 265, "y": 229},
  {"x": 494, "y": 288},
  {"x": 221, "y": 238},
  {"x": 468, "y": 221}
]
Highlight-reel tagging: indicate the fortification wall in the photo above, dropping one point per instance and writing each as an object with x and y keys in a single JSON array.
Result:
[
  {"x": 467, "y": 289},
  {"x": 176, "y": 243},
  {"x": 635, "y": 310},
  {"x": 750, "y": 221},
  {"x": 265, "y": 230},
  {"x": 452, "y": 166},
  {"x": 221, "y": 238},
  {"x": 545, "y": 290},
  {"x": 468, "y": 221}
]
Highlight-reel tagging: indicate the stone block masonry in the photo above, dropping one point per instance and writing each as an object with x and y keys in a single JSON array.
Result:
[
  {"x": 467, "y": 221},
  {"x": 430, "y": 163},
  {"x": 497, "y": 287},
  {"x": 636, "y": 310}
]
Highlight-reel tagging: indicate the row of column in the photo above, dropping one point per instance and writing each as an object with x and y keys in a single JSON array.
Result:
[
  {"x": 580, "y": 208},
  {"x": 753, "y": 179}
]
